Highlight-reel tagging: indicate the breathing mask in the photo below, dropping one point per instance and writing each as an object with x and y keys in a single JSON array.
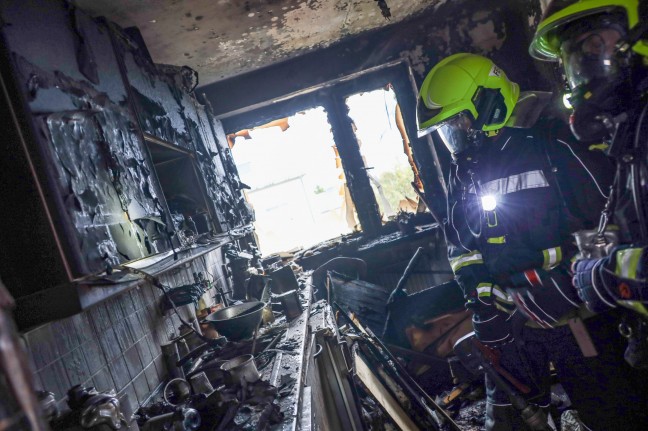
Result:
[{"x": 598, "y": 75}]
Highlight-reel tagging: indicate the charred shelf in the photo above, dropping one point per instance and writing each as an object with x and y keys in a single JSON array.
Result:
[{"x": 68, "y": 299}]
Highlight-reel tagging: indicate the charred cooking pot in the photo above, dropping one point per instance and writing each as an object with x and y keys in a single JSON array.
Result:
[{"x": 238, "y": 321}]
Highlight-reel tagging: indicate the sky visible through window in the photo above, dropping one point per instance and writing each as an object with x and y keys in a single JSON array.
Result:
[
  {"x": 297, "y": 188},
  {"x": 295, "y": 184},
  {"x": 381, "y": 146}
]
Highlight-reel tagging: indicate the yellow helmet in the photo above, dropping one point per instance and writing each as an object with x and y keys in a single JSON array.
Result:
[
  {"x": 465, "y": 91},
  {"x": 546, "y": 42}
]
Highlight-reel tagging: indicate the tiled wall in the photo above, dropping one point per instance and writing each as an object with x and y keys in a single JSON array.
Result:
[{"x": 116, "y": 344}]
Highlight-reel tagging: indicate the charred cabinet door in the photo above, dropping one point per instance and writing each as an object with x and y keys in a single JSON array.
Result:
[
  {"x": 105, "y": 183},
  {"x": 80, "y": 139}
]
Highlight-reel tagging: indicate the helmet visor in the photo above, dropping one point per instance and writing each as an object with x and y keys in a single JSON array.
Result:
[
  {"x": 591, "y": 55},
  {"x": 455, "y": 132},
  {"x": 425, "y": 118}
]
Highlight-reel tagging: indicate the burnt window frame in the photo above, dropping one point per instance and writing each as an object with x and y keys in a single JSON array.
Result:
[{"x": 332, "y": 96}]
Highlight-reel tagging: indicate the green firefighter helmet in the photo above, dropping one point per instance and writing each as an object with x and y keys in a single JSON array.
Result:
[
  {"x": 465, "y": 90},
  {"x": 546, "y": 43}
]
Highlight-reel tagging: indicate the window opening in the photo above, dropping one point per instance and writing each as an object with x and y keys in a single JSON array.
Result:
[
  {"x": 297, "y": 186},
  {"x": 383, "y": 144},
  {"x": 181, "y": 187}
]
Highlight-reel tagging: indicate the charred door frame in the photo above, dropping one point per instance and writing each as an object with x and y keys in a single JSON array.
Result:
[{"x": 332, "y": 97}]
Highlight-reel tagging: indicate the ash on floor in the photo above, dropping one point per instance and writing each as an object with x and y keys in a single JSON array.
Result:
[{"x": 472, "y": 416}]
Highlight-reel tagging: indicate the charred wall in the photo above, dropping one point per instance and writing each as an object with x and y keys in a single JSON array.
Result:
[
  {"x": 86, "y": 104},
  {"x": 83, "y": 105}
]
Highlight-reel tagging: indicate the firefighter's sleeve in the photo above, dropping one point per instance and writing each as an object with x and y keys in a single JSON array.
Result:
[
  {"x": 467, "y": 263},
  {"x": 492, "y": 307}
]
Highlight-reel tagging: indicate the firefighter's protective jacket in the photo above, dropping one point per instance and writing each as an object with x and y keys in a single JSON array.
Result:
[{"x": 517, "y": 255}]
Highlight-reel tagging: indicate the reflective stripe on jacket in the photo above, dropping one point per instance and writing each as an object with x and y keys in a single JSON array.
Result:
[{"x": 543, "y": 191}]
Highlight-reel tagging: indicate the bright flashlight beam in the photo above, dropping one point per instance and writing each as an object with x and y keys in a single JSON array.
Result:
[
  {"x": 489, "y": 202},
  {"x": 566, "y": 102}
]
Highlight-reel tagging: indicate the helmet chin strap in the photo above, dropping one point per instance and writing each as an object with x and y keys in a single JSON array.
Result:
[{"x": 492, "y": 133}]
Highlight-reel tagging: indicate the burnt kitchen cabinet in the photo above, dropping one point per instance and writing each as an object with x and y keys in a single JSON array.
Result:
[
  {"x": 172, "y": 119},
  {"x": 220, "y": 173},
  {"x": 62, "y": 84},
  {"x": 99, "y": 164}
]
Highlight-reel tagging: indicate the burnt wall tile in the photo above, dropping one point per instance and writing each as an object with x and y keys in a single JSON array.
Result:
[
  {"x": 109, "y": 344},
  {"x": 76, "y": 367},
  {"x": 144, "y": 324},
  {"x": 65, "y": 335},
  {"x": 150, "y": 296},
  {"x": 133, "y": 361},
  {"x": 154, "y": 345},
  {"x": 42, "y": 345},
  {"x": 55, "y": 379},
  {"x": 119, "y": 373},
  {"x": 38, "y": 383},
  {"x": 144, "y": 351},
  {"x": 93, "y": 355},
  {"x": 127, "y": 304},
  {"x": 103, "y": 381},
  {"x": 153, "y": 315},
  {"x": 140, "y": 384},
  {"x": 137, "y": 296},
  {"x": 124, "y": 336},
  {"x": 134, "y": 325},
  {"x": 148, "y": 319},
  {"x": 152, "y": 377},
  {"x": 100, "y": 317},
  {"x": 83, "y": 327},
  {"x": 160, "y": 368},
  {"x": 159, "y": 335},
  {"x": 115, "y": 310}
]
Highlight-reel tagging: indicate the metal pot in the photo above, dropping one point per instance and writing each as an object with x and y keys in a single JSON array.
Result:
[
  {"x": 240, "y": 368},
  {"x": 238, "y": 321},
  {"x": 177, "y": 391},
  {"x": 291, "y": 304}
]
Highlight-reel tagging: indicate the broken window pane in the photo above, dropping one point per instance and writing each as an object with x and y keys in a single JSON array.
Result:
[
  {"x": 375, "y": 115},
  {"x": 297, "y": 183}
]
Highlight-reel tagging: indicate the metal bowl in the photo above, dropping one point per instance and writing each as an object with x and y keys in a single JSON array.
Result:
[
  {"x": 240, "y": 368},
  {"x": 238, "y": 321}
]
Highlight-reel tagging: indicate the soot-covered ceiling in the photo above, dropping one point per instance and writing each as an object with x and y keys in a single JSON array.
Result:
[{"x": 222, "y": 38}]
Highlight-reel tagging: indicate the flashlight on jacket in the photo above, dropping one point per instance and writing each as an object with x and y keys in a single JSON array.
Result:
[{"x": 489, "y": 202}]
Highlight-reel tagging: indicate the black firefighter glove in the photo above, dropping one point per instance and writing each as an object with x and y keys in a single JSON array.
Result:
[
  {"x": 619, "y": 278},
  {"x": 491, "y": 319}
]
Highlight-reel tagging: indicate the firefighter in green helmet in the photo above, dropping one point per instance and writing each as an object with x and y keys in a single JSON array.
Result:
[
  {"x": 517, "y": 188},
  {"x": 602, "y": 46}
]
